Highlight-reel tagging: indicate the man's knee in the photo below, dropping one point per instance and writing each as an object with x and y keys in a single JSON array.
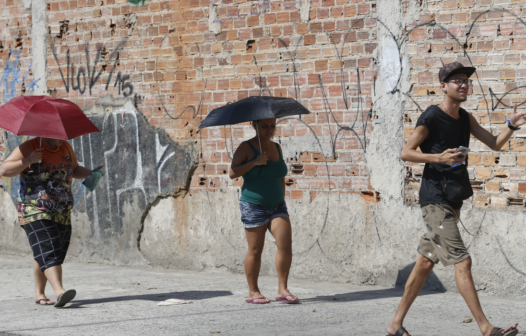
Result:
[
  {"x": 425, "y": 264},
  {"x": 464, "y": 265}
]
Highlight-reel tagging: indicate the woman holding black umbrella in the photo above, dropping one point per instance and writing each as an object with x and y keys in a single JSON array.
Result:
[
  {"x": 262, "y": 201},
  {"x": 263, "y": 207}
]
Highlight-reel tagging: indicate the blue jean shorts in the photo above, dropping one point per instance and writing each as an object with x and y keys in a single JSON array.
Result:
[{"x": 253, "y": 215}]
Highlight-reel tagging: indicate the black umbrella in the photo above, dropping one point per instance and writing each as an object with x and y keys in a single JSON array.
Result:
[{"x": 253, "y": 108}]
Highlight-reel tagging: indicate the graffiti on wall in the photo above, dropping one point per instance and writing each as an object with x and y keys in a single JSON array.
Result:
[
  {"x": 11, "y": 77},
  {"x": 84, "y": 78},
  {"x": 140, "y": 163}
]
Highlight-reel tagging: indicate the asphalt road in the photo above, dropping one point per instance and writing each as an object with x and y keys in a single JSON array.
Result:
[{"x": 123, "y": 301}]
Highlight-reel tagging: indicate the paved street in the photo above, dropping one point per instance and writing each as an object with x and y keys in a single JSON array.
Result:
[{"x": 123, "y": 301}]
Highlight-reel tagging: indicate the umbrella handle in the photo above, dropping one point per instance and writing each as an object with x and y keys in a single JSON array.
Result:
[
  {"x": 260, "y": 150},
  {"x": 40, "y": 161}
]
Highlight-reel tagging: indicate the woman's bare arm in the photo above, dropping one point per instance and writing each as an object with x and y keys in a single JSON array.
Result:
[
  {"x": 240, "y": 166},
  {"x": 20, "y": 159}
]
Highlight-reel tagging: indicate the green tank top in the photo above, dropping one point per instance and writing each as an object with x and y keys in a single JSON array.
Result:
[{"x": 262, "y": 184}]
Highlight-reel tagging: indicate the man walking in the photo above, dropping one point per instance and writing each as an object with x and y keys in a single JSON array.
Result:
[{"x": 439, "y": 133}]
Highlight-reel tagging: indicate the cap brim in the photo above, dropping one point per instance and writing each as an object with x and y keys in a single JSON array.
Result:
[{"x": 465, "y": 70}]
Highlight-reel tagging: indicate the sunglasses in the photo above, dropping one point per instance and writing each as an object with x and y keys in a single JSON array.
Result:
[{"x": 460, "y": 81}]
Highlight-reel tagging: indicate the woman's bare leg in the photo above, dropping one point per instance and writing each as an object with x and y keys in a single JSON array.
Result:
[
  {"x": 256, "y": 241},
  {"x": 54, "y": 276},
  {"x": 282, "y": 231},
  {"x": 40, "y": 284}
]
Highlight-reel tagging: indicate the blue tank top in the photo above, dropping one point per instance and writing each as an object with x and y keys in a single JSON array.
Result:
[{"x": 262, "y": 184}]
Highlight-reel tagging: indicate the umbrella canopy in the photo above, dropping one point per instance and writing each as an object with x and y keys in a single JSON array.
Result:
[
  {"x": 253, "y": 108},
  {"x": 44, "y": 116}
]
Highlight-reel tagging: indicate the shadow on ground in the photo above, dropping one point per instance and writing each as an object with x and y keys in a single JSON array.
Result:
[
  {"x": 158, "y": 297},
  {"x": 431, "y": 286}
]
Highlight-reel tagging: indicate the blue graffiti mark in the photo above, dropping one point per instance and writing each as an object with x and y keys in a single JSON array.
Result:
[
  {"x": 76, "y": 198},
  {"x": 11, "y": 76}
]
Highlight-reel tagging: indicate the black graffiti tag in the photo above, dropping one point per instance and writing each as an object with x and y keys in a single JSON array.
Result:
[{"x": 79, "y": 82}]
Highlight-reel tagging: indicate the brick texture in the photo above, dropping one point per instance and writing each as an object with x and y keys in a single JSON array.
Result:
[
  {"x": 178, "y": 65},
  {"x": 495, "y": 44}
]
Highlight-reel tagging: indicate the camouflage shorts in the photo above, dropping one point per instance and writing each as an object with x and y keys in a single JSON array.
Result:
[{"x": 442, "y": 241}]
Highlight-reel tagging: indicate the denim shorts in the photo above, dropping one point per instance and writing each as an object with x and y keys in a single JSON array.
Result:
[{"x": 253, "y": 215}]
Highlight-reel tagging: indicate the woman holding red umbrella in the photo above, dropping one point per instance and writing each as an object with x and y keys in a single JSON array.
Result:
[
  {"x": 46, "y": 166},
  {"x": 45, "y": 202}
]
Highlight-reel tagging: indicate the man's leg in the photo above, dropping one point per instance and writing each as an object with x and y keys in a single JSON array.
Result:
[
  {"x": 40, "y": 284},
  {"x": 413, "y": 287},
  {"x": 469, "y": 293}
]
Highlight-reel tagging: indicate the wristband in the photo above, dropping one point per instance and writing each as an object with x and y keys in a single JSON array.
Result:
[
  {"x": 28, "y": 159},
  {"x": 511, "y": 126}
]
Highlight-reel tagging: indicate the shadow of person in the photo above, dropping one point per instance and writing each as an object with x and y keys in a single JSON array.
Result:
[
  {"x": 431, "y": 286},
  {"x": 432, "y": 282},
  {"x": 157, "y": 297}
]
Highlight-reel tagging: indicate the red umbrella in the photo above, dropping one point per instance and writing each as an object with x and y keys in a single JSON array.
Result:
[{"x": 45, "y": 116}]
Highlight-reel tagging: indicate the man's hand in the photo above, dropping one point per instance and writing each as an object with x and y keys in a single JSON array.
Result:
[
  {"x": 518, "y": 118},
  {"x": 450, "y": 157}
]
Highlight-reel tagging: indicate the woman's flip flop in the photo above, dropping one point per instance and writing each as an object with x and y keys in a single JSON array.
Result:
[
  {"x": 65, "y": 298},
  {"x": 284, "y": 298},
  {"x": 258, "y": 298},
  {"x": 45, "y": 304},
  {"x": 400, "y": 332}
]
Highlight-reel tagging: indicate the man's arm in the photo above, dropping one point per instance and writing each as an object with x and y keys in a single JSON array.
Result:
[
  {"x": 409, "y": 152},
  {"x": 492, "y": 141}
]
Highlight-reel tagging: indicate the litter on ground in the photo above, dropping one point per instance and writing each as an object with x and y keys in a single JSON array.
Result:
[{"x": 171, "y": 302}]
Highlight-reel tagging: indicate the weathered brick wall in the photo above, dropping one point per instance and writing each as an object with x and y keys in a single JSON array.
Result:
[
  {"x": 15, "y": 54},
  {"x": 180, "y": 70},
  {"x": 181, "y": 59},
  {"x": 490, "y": 35}
]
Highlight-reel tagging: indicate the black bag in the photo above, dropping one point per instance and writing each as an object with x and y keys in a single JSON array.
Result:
[{"x": 455, "y": 183}]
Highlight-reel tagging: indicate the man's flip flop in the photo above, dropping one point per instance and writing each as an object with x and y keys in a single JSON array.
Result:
[
  {"x": 400, "y": 332},
  {"x": 500, "y": 332},
  {"x": 65, "y": 298},
  {"x": 284, "y": 299},
  {"x": 258, "y": 298},
  {"x": 46, "y": 300}
]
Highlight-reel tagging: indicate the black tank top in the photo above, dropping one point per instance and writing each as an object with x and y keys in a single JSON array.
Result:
[{"x": 444, "y": 132}]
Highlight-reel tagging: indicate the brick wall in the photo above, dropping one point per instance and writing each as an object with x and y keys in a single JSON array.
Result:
[
  {"x": 491, "y": 35},
  {"x": 181, "y": 59},
  {"x": 15, "y": 51},
  {"x": 180, "y": 70}
]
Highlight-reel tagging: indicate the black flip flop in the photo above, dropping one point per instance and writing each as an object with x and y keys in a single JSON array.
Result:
[
  {"x": 38, "y": 302},
  {"x": 500, "y": 332},
  {"x": 400, "y": 332},
  {"x": 65, "y": 298}
]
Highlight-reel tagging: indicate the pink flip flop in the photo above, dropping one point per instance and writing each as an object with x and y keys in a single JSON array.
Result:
[
  {"x": 258, "y": 298},
  {"x": 284, "y": 299}
]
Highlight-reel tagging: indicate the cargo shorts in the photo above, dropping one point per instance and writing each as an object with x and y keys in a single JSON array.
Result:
[{"x": 442, "y": 241}]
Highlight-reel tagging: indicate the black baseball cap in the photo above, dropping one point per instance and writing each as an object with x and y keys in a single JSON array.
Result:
[{"x": 453, "y": 69}]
